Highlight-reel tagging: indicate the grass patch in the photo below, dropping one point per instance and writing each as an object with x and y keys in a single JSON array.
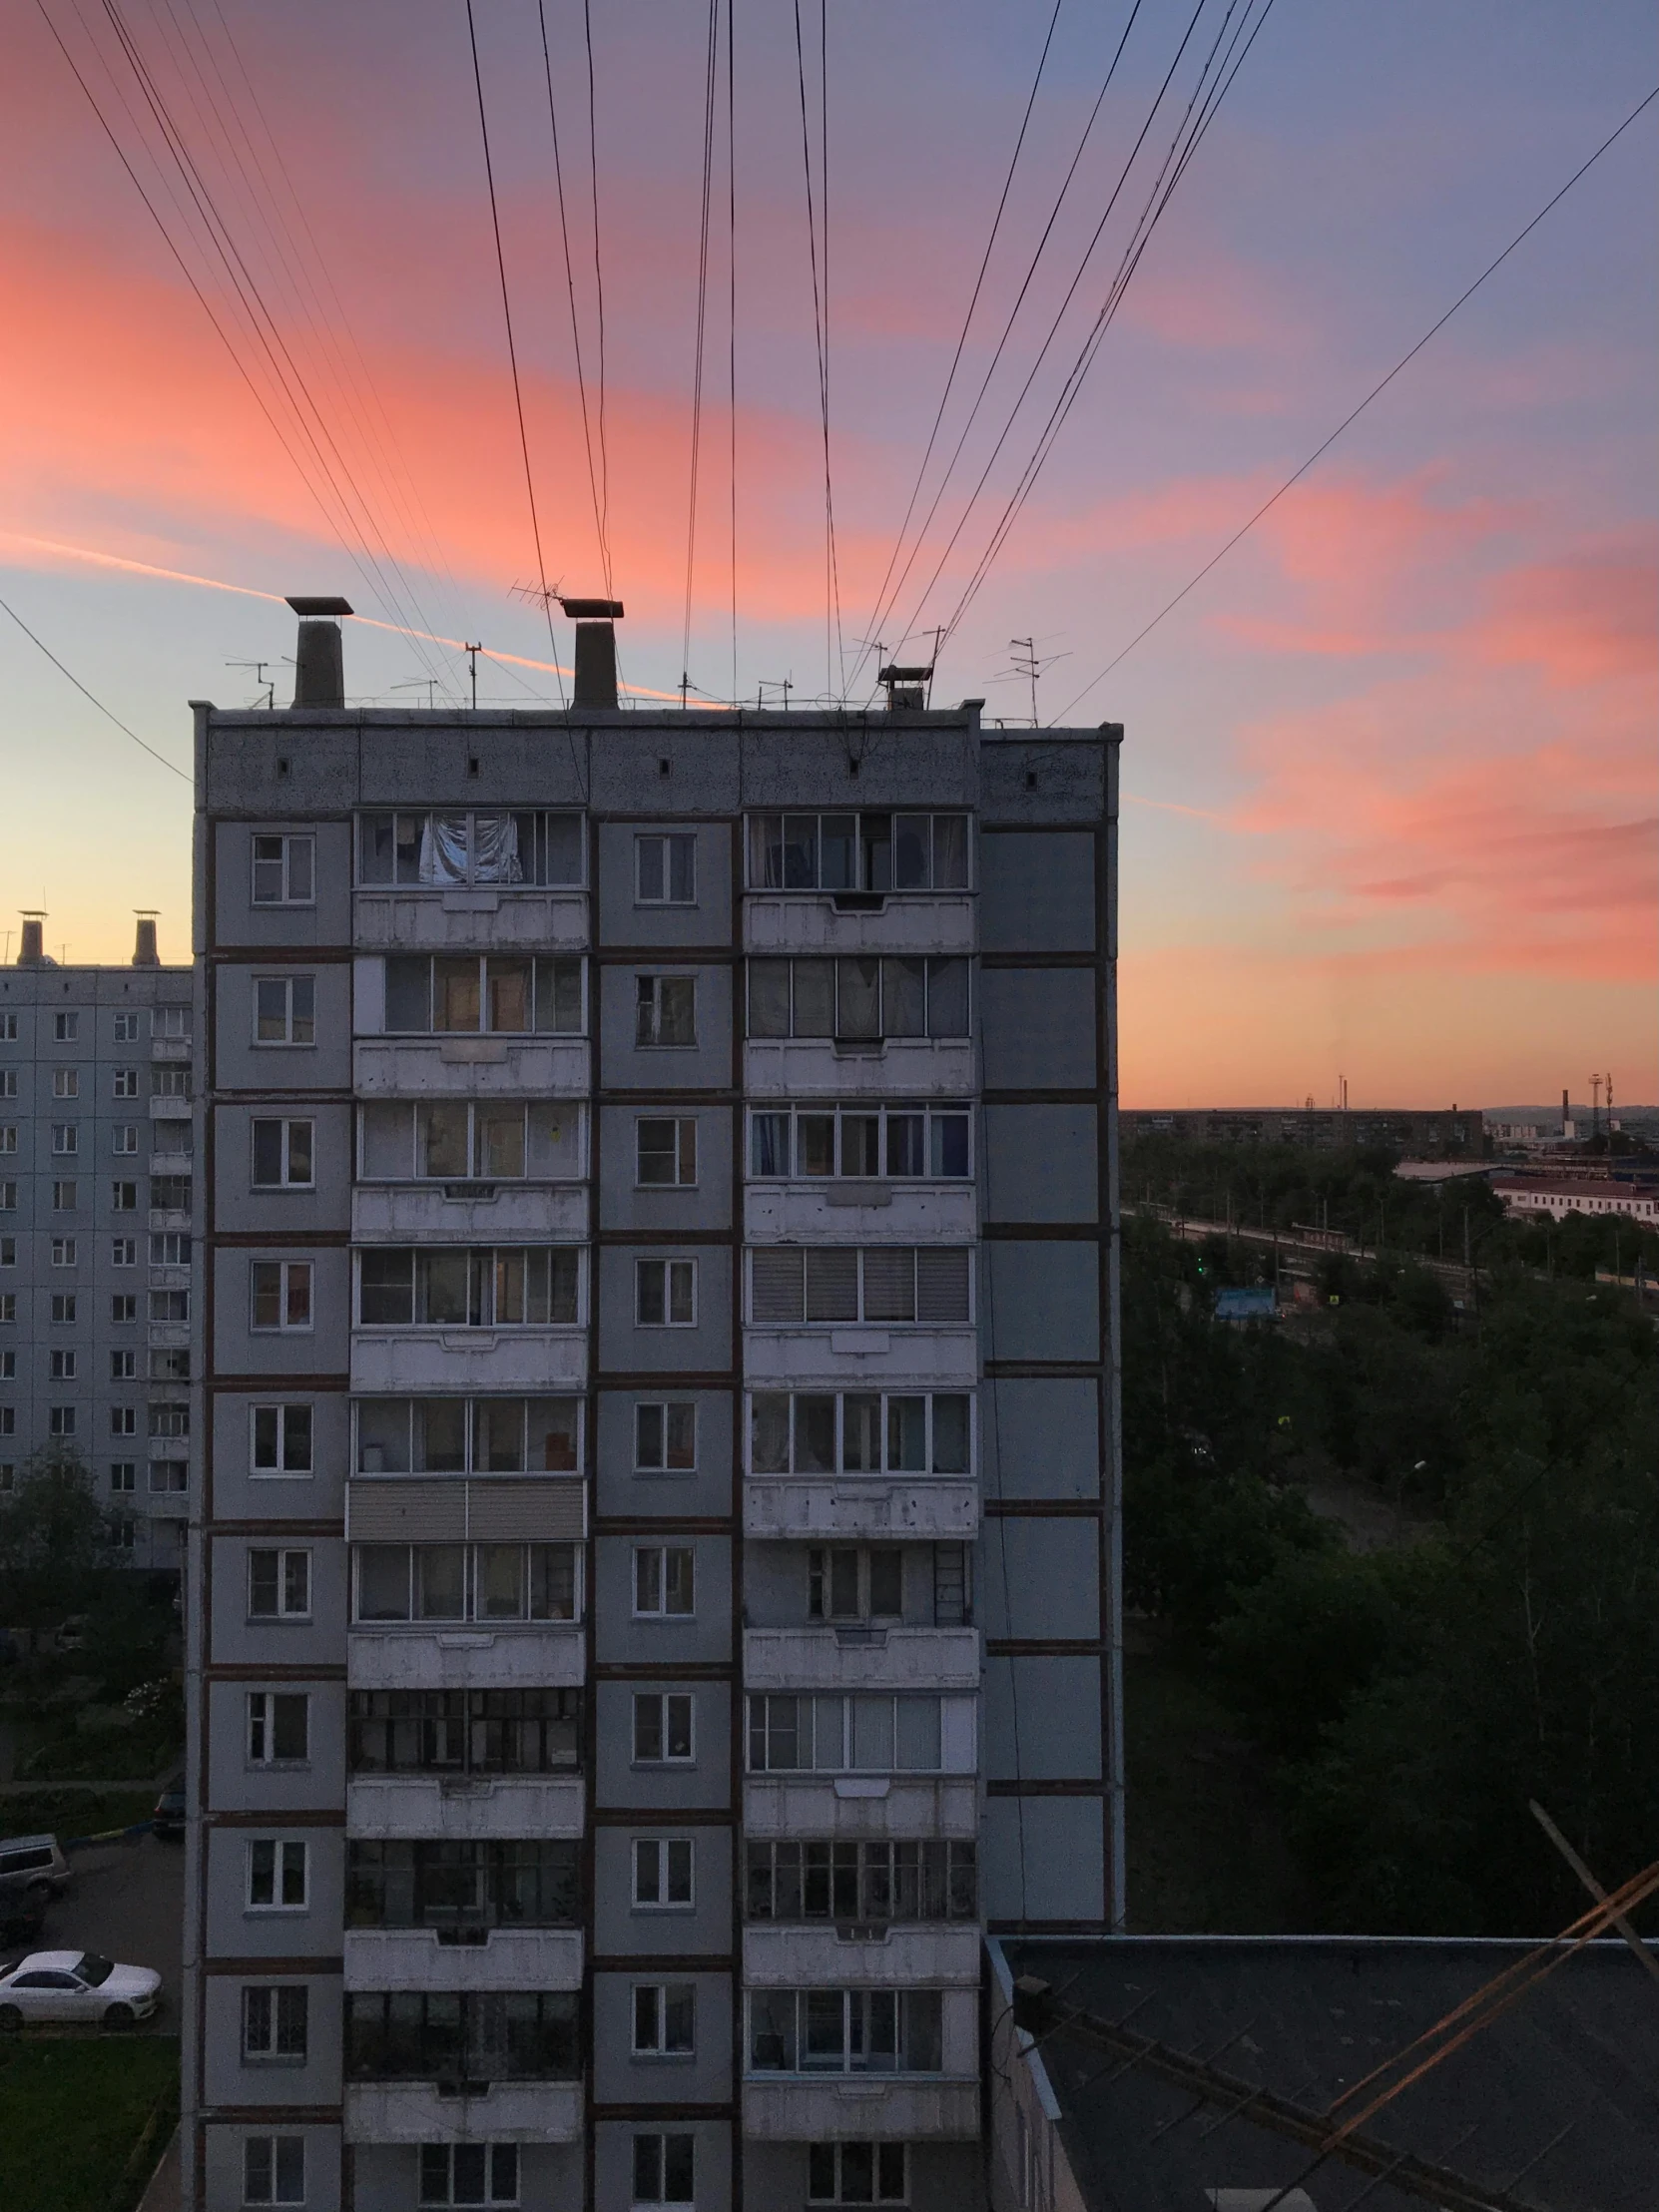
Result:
[
  {"x": 1206, "y": 1852},
  {"x": 69, "y": 1813},
  {"x": 70, "y": 2116}
]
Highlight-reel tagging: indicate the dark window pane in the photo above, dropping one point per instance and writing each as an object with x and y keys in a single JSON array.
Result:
[
  {"x": 910, "y": 872},
  {"x": 408, "y": 996}
]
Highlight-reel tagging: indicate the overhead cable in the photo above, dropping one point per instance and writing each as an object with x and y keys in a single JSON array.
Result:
[
  {"x": 821, "y": 318},
  {"x": 711, "y": 62},
  {"x": 1349, "y": 419},
  {"x": 85, "y": 694},
  {"x": 599, "y": 295},
  {"x": 570, "y": 289}
]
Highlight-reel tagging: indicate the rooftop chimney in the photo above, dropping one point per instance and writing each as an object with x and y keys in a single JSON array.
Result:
[
  {"x": 595, "y": 649},
  {"x": 143, "y": 950},
  {"x": 32, "y": 952},
  {"x": 906, "y": 687},
  {"x": 318, "y": 663}
]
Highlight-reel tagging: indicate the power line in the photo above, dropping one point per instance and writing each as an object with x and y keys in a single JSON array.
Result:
[
  {"x": 709, "y": 74},
  {"x": 599, "y": 293},
  {"x": 512, "y": 352},
  {"x": 1349, "y": 419},
  {"x": 85, "y": 694},
  {"x": 570, "y": 288},
  {"x": 821, "y": 328},
  {"x": 731, "y": 324}
]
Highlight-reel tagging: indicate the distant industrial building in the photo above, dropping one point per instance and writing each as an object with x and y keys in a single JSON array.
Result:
[
  {"x": 1432, "y": 1133},
  {"x": 96, "y": 1212},
  {"x": 1557, "y": 1196}
]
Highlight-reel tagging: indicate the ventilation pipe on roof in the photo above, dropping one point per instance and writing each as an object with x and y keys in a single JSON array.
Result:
[
  {"x": 144, "y": 950},
  {"x": 32, "y": 952},
  {"x": 318, "y": 661},
  {"x": 595, "y": 649}
]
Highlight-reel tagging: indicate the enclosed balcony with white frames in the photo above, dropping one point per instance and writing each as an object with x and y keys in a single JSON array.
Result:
[
  {"x": 451, "y": 1318},
  {"x": 464, "y": 1766},
  {"x": 484, "y": 878},
  {"x": 891, "y": 2063},
  {"x": 863, "y": 1027},
  {"x": 456, "y": 1171},
  {"x": 856, "y": 883},
  {"x": 854, "y": 1463},
  {"x": 463, "y": 1915},
  {"x": 892, "y": 1313},
  {"x": 463, "y": 1025}
]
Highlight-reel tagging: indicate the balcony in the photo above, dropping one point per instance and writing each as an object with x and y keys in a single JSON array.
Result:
[
  {"x": 166, "y": 1506},
  {"x": 936, "y": 1507},
  {"x": 455, "y": 1362},
  {"x": 468, "y": 1213},
  {"x": 532, "y": 1657},
  {"x": 507, "y": 1959},
  {"x": 812, "y": 921},
  {"x": 168, "y": 1335},
  {"x": 172, "y": 1049},
  {"x": 422, "y": 2112},
  {"x": 857, "y": 1356},
  {"x": 882, "y": 2107},
  {"x": 484, "y": 919},
  {"x": 471, "y": 1067},
  {"x": 843, "y": 1209},
  {"x": 849, "y": 1806},
  {"x": 169, "y": 1217},
  {"x": 461, "y": 1809},
  {"x": 926, "y": 1953},
  {"x": 900, "y": 1067},
  {"x": 896, "y": 1658}
]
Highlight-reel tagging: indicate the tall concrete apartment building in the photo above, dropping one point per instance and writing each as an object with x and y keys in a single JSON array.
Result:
[
  {"x": 657, "y": 1533},
  {"x": 96, "y": 1213}
]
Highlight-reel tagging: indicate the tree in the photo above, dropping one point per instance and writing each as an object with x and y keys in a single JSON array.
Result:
[{"x": 56, "y": 1542}]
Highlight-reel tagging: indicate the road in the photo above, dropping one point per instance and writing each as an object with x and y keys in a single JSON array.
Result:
[{"x": 127, "y": 1901}]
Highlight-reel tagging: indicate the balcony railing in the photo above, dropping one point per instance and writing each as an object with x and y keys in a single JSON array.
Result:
[{"x": 883, "y": 1657}]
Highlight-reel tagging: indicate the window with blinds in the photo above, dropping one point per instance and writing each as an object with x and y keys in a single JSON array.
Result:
[{"x": 849, "y": 1282}]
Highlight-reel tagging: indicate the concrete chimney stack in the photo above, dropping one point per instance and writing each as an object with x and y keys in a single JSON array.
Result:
[
  {"x": 32, "y": 952},
  {"x": 595, "y": 649},
  {"x": 318, "y": 660},
  {"x": 145, "y": 954}
]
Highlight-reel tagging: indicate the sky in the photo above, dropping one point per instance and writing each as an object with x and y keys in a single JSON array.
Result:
[{"x": 1389, "y": 781}]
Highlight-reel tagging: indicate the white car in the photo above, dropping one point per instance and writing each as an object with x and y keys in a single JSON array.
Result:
[{"x": 76, "y": 1985}]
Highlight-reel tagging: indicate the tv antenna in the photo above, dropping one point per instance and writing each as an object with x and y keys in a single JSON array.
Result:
[
  {"x": 472, "y": 652},
  {"x": 428, "y": 684},
  {"x": 784, "y": 684},
  {"x": 1028, "y": 665},
  {"x": 259, "y": 677}
]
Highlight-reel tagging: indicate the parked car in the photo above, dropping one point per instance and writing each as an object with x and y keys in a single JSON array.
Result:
[
  {"x": 76, "y": 1985},
  {"x": 31, "y": 1866},
  {"x": 168, "y": 1816}
]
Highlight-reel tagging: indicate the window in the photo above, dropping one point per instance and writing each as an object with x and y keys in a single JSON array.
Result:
[
  {"x": 455, "y": 1435},
  {"x": 665, "y": 2169},
  {"x": 63, "y": 1307},
  {"x": 8, "y": 1029},
  {"x": 279, "y": 1585},
  {"x": 66, "y": 1029},
  {"x": 859, "y": 1433},
  {"x": 459, "y": 1582},
  {"x": 663, "y": 1582},
  {"x": 869, "y": 853},
  {"x": 665, "y": 869},
  {"x": 284, "y": 872},
  {"x": 123, "y": 1367},
  {"x": 275, "y": 2021},
  {"x": 273, "y": 2169},
  {"x": 665, "y": 2018},
  {"x": 124, "y": 1306},
  {"x": 862, "y": 1883},
  {"x": 401, "y": 1287},
  {"x": 279, "y": 1727},
  {"x": 665, "y": 1010},
  {"x": 448, "y": 2038},
  {"x": 665, "y": 1437},
  {"x": 66, "y": 1082},
  {"x": 276, "y": 1872},
  {"x": 531, "y": 1882},
  {"x": 664, "y": 1294},
  {"x": 169, "y": 1082},
  {"x": 124, "y": 1534},
  {"x": 172, "y": 1022},
  {"x": 64, "y": 1252},
  {"x": 124, "y": 1251},
  {"x": 59, "y": 1420},
  {"x": 8, "y": 1251},
  {"x": 468, "y": 2173},
  {"x": 124, "y": 1083},
  {"x": 66, "y": 1138},
  {"x": 8, "y": 1198},
  {"x": 125, "y": 1029},
  {"x": 123, "y": 1477},
  {"x": 8, "y": 1136},
  {"x": 8, "y": 1082},
  {"x": 661, "y": 1727},
  {"x": 533, "y": 849},
  {"x": 913, "y": 1142},
  {"x": 858, "y": 999},
  {"x": 464, "y": 993},
  {"x": 61, "y": 1366},
  {"x": 662, "y": 1872},
  {"x": 873, "y": 1732},
  {"x": 451, "y": 1141},
  {"x": 124, "y": 1198},
  {"x": 8, "y": 1306},
  {"x": 170, "y": 1417},
  {"x": 856, "y": 1582},
  {"x": 170, "y": 1306},
  {"x": 464, "y": 1731},
  {"x": 169, "y": 1194},
  {"x": 169, "y": 1366},
  {"x": 282, "y": 1293},
  {"x": 856, "y": 2173},
  {"x": 66, "y": 1197},
  {"x": 840, "y": 1282},
  {"x": 8, "y": 1421},
  {"x": 283, "y": 1155},
  {"x": 8, "y": 1364},
  {"x": 664, "y": 1151},
  {"x": 169, "y": 1247},
  {"x": 284, "y": 1009},
  {"x": 124, "y": 1138},
  {"x": 845, "y": 2031},
  {"x": 282, "y": 1440},
  {"x": 123, "y": 1421}
]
